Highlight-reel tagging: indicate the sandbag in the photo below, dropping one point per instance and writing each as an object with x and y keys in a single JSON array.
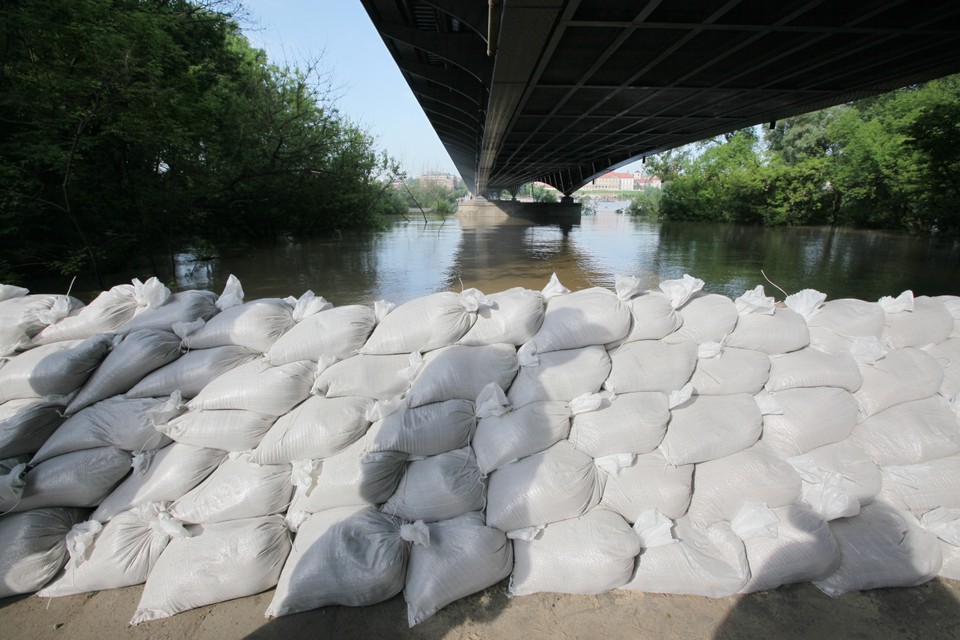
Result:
[
  {"x": 26, "y": 424},
  {"x": 162, "y": 476},
  {"x": 23, "y": 317},
  {"x": 461, "y": 557},
  {"x": 838, "y": 322},
  {"x": 256, "y": 325},
  {"x": 651, "y": 365},
  {"x": 812, "y": 368},
  {"x": 128, "y": 424},
  {"x": 520, "y": 432},
  {"x": 918, "y": 488},
  {"x": 52, "y": 370},
  {"x": 903, "y": 375},
  {"x": 438, "y": 488},
  {"x": 650, "y": 482},
  {"x": 120, "y": 554},
  {"x": 560, "y": 375},
  {"x": 947, "y": 354},
  {"x": 511, "y": 317},
  {"x": 929, "y": 322},
  {"x": 591, "y": 554},
  {"x": 910, "y": 432},
  {"x": 183, "y": 307},
  {"x": 462, "y": 372},
  {"x": 782, "y": 332},
  {"x": 262, "y": 389},
  {"x": 237, "y": 489},
  {"x": 10, "y": 291},
  {"x": 626, "y": 423},
  {"x": 190, "y": 373},
  {"x": 653, "y": 317},
  {"x": 352, "y": 556},
  {"x": 731, "y": 371},
  {"x": 859, "y": 474},
  {"x": 707, "y": 318},
  {"x": 952, "y": 303},
  {"x": 810, "y": 418},
  {"x": 424, "y": 324},
  {"x": 34, "y": 547},
  {"x": 581, "y": 319},
  {"x": 226, "y": 429},
  {"x": 558, "y": 484},
  {"x": 139, "y": 353},
  {"x": 78, "y": 479},
  {"x": 881, "y": 548},
  {"x": 377, "y": 377},
  {"x": 318, "y": 428},
  {"x": 426, "y": 430},
  {"x": 219, "y": 561},
  {"x": 710, "y": 427},
  {"x": 337, "y": 333}
]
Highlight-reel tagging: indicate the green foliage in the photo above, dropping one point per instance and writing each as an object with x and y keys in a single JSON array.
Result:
[
  {"x": 645, "y": 203},
  {"x": 430, "y": 196}
]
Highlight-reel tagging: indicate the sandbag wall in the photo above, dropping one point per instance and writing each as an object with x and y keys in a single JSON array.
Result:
[{"x": 664, "y": 441}]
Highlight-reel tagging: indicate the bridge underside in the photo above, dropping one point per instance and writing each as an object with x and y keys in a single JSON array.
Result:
[{"x": 563, "y": 90}]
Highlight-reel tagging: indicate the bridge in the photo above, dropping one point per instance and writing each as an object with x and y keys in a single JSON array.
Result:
[{"x": 562, "y": 91}]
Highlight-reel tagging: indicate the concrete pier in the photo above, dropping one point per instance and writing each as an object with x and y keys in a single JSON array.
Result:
[{"x": 510, "y": 210}]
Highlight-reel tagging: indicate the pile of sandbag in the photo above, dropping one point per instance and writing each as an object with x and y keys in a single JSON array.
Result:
[{"x": 666, "y": 441}]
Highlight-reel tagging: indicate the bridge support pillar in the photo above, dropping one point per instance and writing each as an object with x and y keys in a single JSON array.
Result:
[{"x": 566, "y": 200}]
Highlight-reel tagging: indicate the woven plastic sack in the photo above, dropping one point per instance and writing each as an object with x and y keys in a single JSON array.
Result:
[
  {"x": 462, "y": 372},
  {"x": 560, "y": 375},
  {"x": 812, "y": 368},
  {"x": 424, "y": 324},
  {"x": 929, "y": 322},
  {"x": 910, "y": 433},
  {"x": 352, "y": 556},
  {"x": 23, "y": 317},
  {"x": 55, "y": 369},
  {"x": 918, "y": 488},
  {"x": 34, "y": 548},
  {"x": 859, "y": 474},
  {"x": 511, "y": 317},
  {"x": 190, "y": 373},
  {"x": 651, "y": 365},
  {"x": 338, "y": 332},
  {"x": 26, "y": 424},
  {"x": 377, "y": 377},
  {"x": 461, "y": 557},
  {"x": 626, "y": 423},
  {"x": 811, "y": 418},
  {"x": 705, "y": 319},
  {"x": 10, "y": 291},
  {"x": 839, "y": 322},
  {"x": 653, "y": 317},
  {"x": 79, "y": 479},
  {"x": 318, "y": 428},
  {"x": 558, "y": 484},
  {"x": 782, "y": 332},
  {"x": 256, "y": 325},
  {"x": 710, "y": 427},
  {"x": 591, "y": 554},
  {"x": 731, "y": 371},
  {"x": 580, "y": 319},
  {"x": 947, "y": 354},
  {"x": 650, "y": 482},
  {"x": 181, "y": 308},
  {"x": 424, "y": 431},
  {"x": 438, "y": 488},
  {"x": 259, "y": 388},
  {"x": 219, "y": 561},
  {"x": 903, "y": 375},
  {"x": 521, "y": 432},
  {"x": 226, "y": 429}
]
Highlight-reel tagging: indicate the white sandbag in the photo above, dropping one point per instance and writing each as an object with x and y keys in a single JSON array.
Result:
[
  {"x": 724, "y": 485},
  {"x": 56, "y": 369},
  {"x": 462, "y": 372},
  {"x": 952, "y": 303},
  {"x": 561, "y": 375},
  {"x": 226, "y": 429},
  {"x": 461, "y": 557},
  {"x": 707, "y": 562},
  {"x": 859, "y": 474},
  {"x": 190, "y": 373},
  {"x": 929, "y": 322},
  {"x": 317, "y": 428},
  {"x": 237, "y": 489},
  {"x": 558, "y": 484},
  {"x": 10, "y": 291},
  {"x": 423, "y": 324},
  {"x": 351, "y": 556},
  {"x": 705, "y": 319},
  {"x": 377, "y": 377},
  {"x": 650, "y": 482},
  {"x": 259, "y": 388},
  {"x": 782, "y": 332},
  {"x": 710, "y": 427},
  {"x": 162, "y": 476},
  {"x": 910, "y": 432},
  {"x": 903, "y": 375},
  {"x": 181, "y": 308},
  {"x": 731, "y": 371},
  {"x": 336, "y": 332},
  {"x": 78, "y": 479},
  {"x": 256, "y": 325},
  {"x": 353, "y": 477},
  {"x": 521, "y": 432},
  {"x": 139, "y": 353},
  {"x": 438, "y": 488},
  {"x": 812, "y": 417},
  {"x": 839, "y": 322},
  {"x": 219, "y": 561},
  {"x": 13, "y": 477},
  {"x": 651, "y": 365},
  {"x": 26, "y": 424},
  {"x": 511, "y": 317},
  {"x": 947, "y": 354},
  {"x": 591, "y": 554},
  {"x": 812, "y": 368},
  {"x": 34, "y": 548},
  {"x": 803, "y": 550},
  {"x": 918, "y": 488},
  {"x": 128, "y": 424},
  {"x": 120, "y": 554},
  {"x": 580, "y": 319},
  {"x": 23, "y": 317},
  {"x": 881, "y": 548},
  {"x": 426, "y": 430},
  {"x": 653, "y": 317},
  {"x": 626, "y": 423}
]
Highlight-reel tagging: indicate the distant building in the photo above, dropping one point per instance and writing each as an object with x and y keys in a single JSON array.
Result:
[
  {"x": 617, "y": 181},
  {"x": 442, "y": 179}
]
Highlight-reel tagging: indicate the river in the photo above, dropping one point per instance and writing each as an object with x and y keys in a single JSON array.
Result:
[{"x": 416, "y": 258}]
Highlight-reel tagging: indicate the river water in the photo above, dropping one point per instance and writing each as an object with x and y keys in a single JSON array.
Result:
[{"x": 416, "y": 258}]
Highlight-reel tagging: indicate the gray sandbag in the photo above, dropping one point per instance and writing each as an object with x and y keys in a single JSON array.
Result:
[
  {"x": 26, "y": 424},
  {"x": 337, "y": 333},
  {"x": 520, "y": 432},
  {"x": 782, "y": 332},
  {"x": 653, "y": 317},
  {"x": 318, "y": 428},
  {"x": 928, "y": 322},
  {"x": 707, "y": 318},
  {"x": 462, "y": 372},
  {"x": 256, "y": 325},
  {"x": 438, "y": 488},
  {"x": 512, "y": 317},
  {"x": 560, "y": 375},
  {"x": 858, "y": 474},
  {"x": 709, "y": 427},
  {"x": 625, "y": 423},
  {"x": 651, "y": 365},
  {"x": 190, "y": 373},
  {"x": 581, "y": 319},
  {"x": 909, "y": 432},
  {"x": 838, "y": 323},
  {"x": 260, "y": 388},
  {"x": 53, "y": 370},
  {"x": 78, "y": 479},
  {"x": 810, "y": 418},
  {"x": 424, "y": 324},
  {"x": 649, "y": 482},
  {"x": 731, "y": 371},
  {"x": 902, "y": 375},
  {"x": 34, "y": 547},
  {"x": 947, "y": 353},
  {"x": 813, "y": 368},
  {"x": 23, "y": 317},
  {"x": 183, "y": 307},
  {"x": 377, "y": 377},
  {"x": 426, "y": 430},
  {"x": 226, "y": 429}
]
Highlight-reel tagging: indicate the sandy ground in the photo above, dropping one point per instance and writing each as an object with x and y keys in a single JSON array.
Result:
[{"x": 928, "y": 612}]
